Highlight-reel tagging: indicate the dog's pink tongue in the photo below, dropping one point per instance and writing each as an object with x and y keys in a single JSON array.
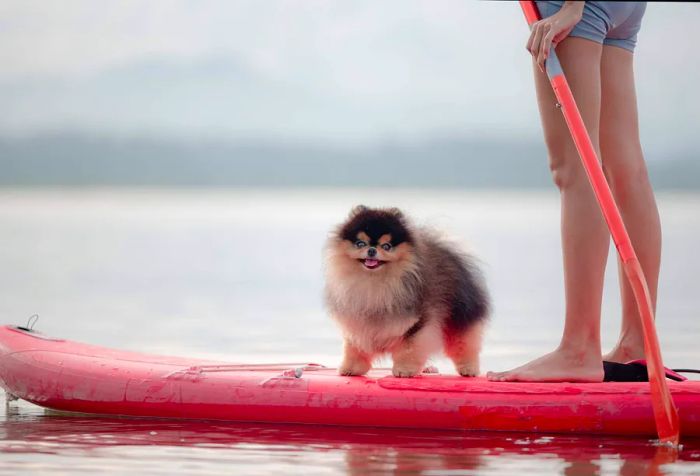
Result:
[{"x": 371, "y": 262}]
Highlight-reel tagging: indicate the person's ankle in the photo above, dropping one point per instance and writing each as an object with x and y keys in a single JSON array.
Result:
[
  {"x": 580, "y": 346},
  {"x": 626, "y": 350},
  {"x": 579, "y": 352}
]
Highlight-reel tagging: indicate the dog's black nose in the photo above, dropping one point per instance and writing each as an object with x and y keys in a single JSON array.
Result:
[{"x": 372, "y": 252}]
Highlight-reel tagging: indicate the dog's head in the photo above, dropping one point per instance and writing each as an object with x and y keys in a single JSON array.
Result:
[{"x": 373, "y": 239}]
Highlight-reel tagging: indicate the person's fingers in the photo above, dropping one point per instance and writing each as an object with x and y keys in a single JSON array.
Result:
[
  {"x": 537, "y": 40},
  {"x": 533, "y": 30},
  {"x": 544, "y": 48},
  {"x": 537, "y": 35},
  {"x": 531, "y": 45}
]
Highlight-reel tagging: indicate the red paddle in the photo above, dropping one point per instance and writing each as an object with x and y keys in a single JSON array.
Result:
[{"x": 665, "y": 411}]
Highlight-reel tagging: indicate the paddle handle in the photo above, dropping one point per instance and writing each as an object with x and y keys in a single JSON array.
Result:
[{"x": 665, "y": 411}]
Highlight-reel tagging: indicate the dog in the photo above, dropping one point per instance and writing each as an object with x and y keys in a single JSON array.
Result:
[{"x": 402, "y": 290}]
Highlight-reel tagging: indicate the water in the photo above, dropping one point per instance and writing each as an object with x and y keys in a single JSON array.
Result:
[{"x": 237, "y": 275}]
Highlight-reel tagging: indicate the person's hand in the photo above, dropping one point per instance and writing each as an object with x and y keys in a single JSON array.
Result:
[{"x": 548, "y": 32}]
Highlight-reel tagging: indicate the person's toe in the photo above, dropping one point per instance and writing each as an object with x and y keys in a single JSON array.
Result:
[{"x": 497, "y": 376}]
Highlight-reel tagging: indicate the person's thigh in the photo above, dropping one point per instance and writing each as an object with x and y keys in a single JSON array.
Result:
[
  {"x": 619, "y": 125},
  {"x": 580, "y": 59}
]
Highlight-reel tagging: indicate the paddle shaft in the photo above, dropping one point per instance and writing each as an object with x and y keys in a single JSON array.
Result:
[{"x": 665, "y": 412}]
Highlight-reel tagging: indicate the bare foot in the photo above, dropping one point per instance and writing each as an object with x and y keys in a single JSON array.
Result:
[{"x": 558, "y": 366}]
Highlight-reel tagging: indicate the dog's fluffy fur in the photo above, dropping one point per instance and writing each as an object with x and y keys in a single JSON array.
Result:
[{"x": 401, "y": 290}]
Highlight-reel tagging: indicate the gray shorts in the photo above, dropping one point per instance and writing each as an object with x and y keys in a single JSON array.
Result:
[{"x": 607, "y": 23}]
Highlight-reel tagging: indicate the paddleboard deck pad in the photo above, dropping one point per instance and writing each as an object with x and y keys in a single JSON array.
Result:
[{"x": 70, "y": 376}]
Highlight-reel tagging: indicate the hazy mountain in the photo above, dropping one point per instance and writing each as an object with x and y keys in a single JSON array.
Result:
[{"x": 77, "y": 160}]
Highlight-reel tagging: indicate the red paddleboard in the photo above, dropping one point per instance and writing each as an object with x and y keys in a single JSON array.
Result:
[{"x": 70, "y": 376}]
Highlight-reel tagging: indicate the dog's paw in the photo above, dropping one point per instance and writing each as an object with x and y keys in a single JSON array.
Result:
[
  {"x": 405, "y": 371},
  {"x": 468, "y": 370},
  {"x": 354, "y": 368}
]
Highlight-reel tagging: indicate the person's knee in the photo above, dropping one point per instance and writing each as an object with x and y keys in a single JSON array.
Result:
[
  {"x": 564, "y": 161},
  {"x": 566, "y": 169},
  {"x": 627, "y": 177}
]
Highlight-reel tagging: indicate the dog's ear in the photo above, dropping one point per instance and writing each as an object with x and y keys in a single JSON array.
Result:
[
  {"x": 356, "y": 210},
  {"x": 396, "y": 212}
]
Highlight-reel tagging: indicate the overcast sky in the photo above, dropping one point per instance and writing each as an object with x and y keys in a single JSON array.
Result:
[{"x": 351, "y": 71}]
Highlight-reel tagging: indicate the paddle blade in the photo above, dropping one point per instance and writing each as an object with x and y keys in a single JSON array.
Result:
[{"x": 665, "y": 412}]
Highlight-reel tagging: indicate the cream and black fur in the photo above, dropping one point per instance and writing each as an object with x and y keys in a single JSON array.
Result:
[{"x": 401, "y": 290}]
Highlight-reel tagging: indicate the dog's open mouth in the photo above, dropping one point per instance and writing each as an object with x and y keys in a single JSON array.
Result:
[{"x": 370, "y": 263}]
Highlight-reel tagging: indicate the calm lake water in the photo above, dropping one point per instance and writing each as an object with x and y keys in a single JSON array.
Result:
[{"x": 237, "y": 275}]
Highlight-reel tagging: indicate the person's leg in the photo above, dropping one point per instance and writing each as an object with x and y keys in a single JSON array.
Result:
[
  {"x": 626, "y": 171},
  {"x": 585, "y": 238}
]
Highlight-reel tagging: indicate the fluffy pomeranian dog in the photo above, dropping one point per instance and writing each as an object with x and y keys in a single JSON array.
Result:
[{"x": 401, "y": 290}]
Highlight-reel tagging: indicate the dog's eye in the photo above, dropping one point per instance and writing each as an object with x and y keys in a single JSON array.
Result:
[
  {"x": 386, "y": 246},
  {"x": 360, "y": 244}
]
